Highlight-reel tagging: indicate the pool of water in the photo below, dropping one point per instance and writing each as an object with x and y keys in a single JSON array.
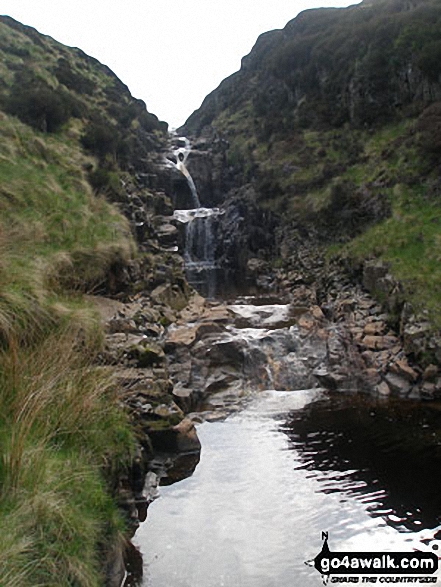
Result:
[{"x": 276, "y": 475}]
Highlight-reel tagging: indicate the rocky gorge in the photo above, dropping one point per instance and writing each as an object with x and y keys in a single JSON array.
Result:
[
  {"x": 182, "y": 358},
  {"x": 246, "y": 282}
]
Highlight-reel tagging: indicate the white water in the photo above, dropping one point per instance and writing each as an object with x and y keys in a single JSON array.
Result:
[
  {"x": 181, "y": 155},
  {"x": 201, "y": 247}
]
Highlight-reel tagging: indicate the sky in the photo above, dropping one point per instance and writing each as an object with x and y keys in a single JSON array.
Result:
[{"x": 170, "y": 53}]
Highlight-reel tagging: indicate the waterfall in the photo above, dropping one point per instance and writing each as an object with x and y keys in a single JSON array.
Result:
[
  {"x": 200, "y": 247},
  {"x": 181, "y": 156}
]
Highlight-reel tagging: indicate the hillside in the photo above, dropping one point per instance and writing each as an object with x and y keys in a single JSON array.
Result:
[
  {"x": 335, "y": 123},
  {"x": 78, "y": 173}
]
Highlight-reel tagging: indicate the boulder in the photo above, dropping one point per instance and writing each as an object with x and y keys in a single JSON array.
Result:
[
  {"x": 186, "y": 436},
  {"x": 401, "y": 367},
  {"x": 430, "y": 373},
  {"x": 146, "y": 355},
  {"x": 398, "y": 384}
]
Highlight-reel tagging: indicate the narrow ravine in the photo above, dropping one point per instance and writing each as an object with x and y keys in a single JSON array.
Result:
[{"x": 282, "y": 459}]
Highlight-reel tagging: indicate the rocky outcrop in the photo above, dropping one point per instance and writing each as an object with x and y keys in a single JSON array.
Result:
[{"x": 374, "y": 344}]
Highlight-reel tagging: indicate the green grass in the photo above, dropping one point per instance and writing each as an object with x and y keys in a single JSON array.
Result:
[
  {"x": 387, "y": 163},
  {"x": 411, "y": 242},
  {"x": 56, "y": 236},
  {"x": 62, "y": 430}
]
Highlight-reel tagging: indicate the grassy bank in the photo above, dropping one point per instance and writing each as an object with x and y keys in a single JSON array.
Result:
[{"x": 62, "y": 431}]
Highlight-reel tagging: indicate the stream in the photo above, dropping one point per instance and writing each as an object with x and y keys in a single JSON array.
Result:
[
  {"x": 287, "y": 462},
  {"x": 275, "y": 475}
]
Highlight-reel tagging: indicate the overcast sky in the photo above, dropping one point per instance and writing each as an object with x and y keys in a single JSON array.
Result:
[{"x": 170, "y": 53}]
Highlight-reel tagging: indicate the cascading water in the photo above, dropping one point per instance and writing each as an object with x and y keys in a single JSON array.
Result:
[
  {"x": 200, "y": 247},
  {"x": 291, "y": 461},
  {"x": 200, "y": 233},
  {"x": 181, "y": 156}
]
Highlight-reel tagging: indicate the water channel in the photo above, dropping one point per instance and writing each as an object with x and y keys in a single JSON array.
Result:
[{"x": 287, "y": 466}]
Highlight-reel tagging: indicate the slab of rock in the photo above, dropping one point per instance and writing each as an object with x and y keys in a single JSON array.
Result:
[
  {"x": 374, "y": 328},
  {"x": 379, "y": 342},
  {"x": 401, "y": 367},
  {"x": 383, "y": 389},
  {"x": 398, "y": 384}
]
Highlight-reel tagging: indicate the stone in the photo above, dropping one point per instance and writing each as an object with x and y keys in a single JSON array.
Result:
[
  {"x": 383, "y": 389},
  {"x": 229, "y": 352},
  {"x": 208, "y": 329},
  {"x": 401, "y": 367},
  {"x": 430, "y": 373},
  {"x": 373, "y": 377},
  {"x": 398, "y": 384},
  {"x": 373, "y": 271},
  {"x": 415, "y": 337},
  {"x": 125, "y": 325},
  {"x": 368, "y": 357},
  {"x": 183, "y": 335},
  {"x": 374, "y": 328},
  {"x": 146, "y": 356},
  {"x": 306, "y": 322},
  {"x": 169, "y": 295},
  {"x": 186, "y": 436},
  {"x": 379, "y": 342},
  {"x": 428, "y": 390},
  {"x": 317, "y": 313},
  {"x": 185, "y": 398}
]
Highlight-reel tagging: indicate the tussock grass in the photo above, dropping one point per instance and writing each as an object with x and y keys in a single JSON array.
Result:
[
  {"x": 62, "y": 430},
  {"x": 60, "y": 425}
]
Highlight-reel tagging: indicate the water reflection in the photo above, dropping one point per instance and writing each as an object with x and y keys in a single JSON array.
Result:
[
  {"x": 274, "y": 476},
  {"x": 387, "y": 454}
]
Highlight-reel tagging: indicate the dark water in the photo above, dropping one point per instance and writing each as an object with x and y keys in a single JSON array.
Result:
[
  {"x": 291, "y": 465},
  {"x": 214, "y": 283}
]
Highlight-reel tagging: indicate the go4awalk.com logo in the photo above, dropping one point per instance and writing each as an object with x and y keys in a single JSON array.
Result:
[{"x": 374, "y": 567}]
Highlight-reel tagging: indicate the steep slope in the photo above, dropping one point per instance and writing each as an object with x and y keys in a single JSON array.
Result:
[
  {"x": 334, "y": 121},
  {"x": 78, "y": 169}
]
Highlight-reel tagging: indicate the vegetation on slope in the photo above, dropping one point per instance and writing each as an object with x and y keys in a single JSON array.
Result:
[
  {"x": 69, "y": 131},
  {"x": 335, "y": 120}
]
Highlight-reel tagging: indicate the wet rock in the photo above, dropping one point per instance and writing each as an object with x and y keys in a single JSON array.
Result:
[
  {"x": 231, "y": 352},
  {"x": 428, "y": 391},
  {"x": 186, "y": 436},
  {"x": 332, "y": 380},
  {"x": 186, "y": 399},
  {"x": 208, "y": 329},
  {"x": 167, "y": 235}
]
